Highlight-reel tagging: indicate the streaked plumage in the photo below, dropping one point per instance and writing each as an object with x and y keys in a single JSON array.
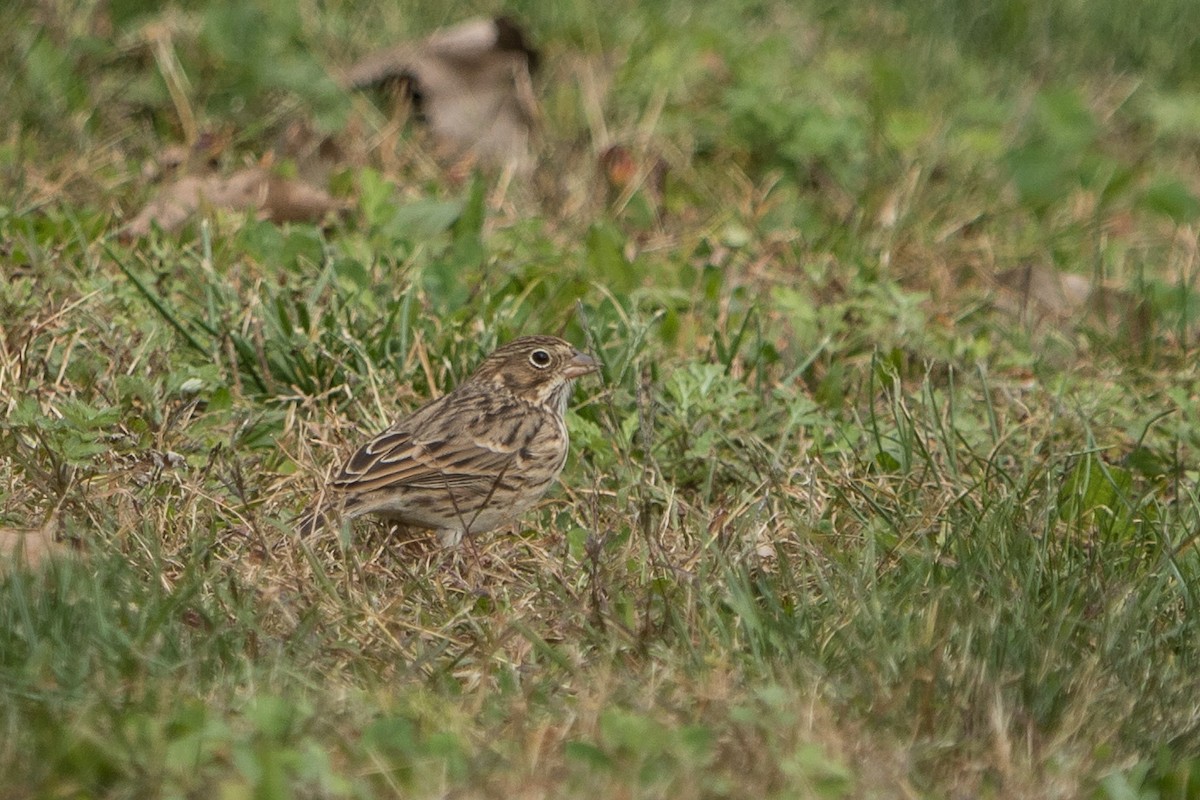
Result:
[{"x": 475, "y": 458}]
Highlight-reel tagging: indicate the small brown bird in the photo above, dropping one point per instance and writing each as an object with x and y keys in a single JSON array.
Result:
[{"x": 475, "y": 458}]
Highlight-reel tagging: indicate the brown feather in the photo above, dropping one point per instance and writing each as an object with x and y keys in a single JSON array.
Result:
[{"x": 476, "y": 457}]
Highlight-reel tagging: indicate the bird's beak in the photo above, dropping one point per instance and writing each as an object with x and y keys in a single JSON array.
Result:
[{"x": 579, "y": 365}]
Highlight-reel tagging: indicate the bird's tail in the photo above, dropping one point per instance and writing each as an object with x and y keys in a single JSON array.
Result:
[
  {"x": 312, "y": 520},
  {"x": 326, "y": 511}
]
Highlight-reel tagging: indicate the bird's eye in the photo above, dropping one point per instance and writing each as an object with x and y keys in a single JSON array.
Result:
[{"x": 539, "y": 358}]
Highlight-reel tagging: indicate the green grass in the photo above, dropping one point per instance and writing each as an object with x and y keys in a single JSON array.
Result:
[{"x": 840, "y": 520}]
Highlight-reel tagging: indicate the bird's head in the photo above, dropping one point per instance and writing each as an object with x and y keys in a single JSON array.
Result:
[{"x": 537, "y": 369}]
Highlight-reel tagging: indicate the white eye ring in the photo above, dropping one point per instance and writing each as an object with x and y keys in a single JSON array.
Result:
[{"x": 539, "y": 358}]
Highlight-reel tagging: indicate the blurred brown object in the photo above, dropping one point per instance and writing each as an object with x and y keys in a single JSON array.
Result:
[
  {"x": 626, "y": 172},
  {"x": 1043, "y": 295},
  {"x": 472, "y": 83},
  {"x": 31, "y": 546},
  {"x": 251, "y": 189}
]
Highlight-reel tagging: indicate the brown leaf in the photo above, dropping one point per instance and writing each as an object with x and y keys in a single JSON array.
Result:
[
  {"x": 626, "y": 172},
  {"x": 470, "y": 82},
  {"x": 252, "y": 189},
  {"x": 296, "y": 201}
]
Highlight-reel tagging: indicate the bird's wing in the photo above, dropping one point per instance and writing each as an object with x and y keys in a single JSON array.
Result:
[{"x": 423, "y": 451}]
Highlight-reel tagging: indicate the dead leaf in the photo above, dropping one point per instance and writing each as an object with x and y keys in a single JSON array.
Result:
[
  {"x": 31, "y": 546},
  {"x": 627, "y": 173},
  {"x": 1043, "y": 295},
  {"x": 471, "y": 83},
  {"x": 252, "y": 189}
]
